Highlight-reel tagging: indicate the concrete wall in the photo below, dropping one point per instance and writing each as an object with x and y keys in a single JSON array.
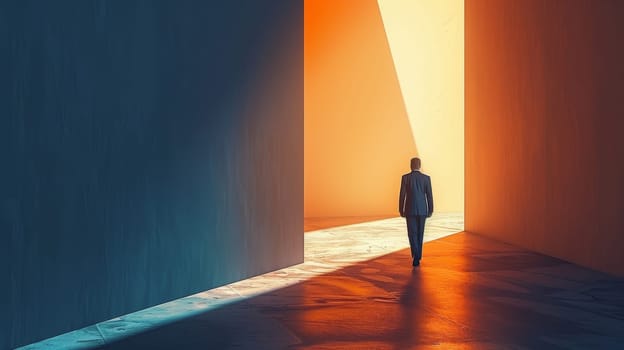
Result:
[
  {"x": 544, "y": 123},
  {"x": 149, "y": 150}
]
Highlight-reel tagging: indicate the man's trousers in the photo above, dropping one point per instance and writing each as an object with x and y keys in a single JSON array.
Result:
[{"x": 415, "y": 232}]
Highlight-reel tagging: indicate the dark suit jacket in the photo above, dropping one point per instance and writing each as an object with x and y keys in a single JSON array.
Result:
[{"x": 415, "y": 197}]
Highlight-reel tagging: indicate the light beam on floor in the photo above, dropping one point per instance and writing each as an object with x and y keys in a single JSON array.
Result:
[{"x": 326, "y": 250}]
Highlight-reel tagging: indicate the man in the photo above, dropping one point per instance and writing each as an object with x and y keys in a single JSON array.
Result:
[{"x": 415, "y": 205}]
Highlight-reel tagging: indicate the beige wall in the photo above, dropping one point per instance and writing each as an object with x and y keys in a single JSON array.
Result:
[
  {"x": 426, "y": 39},
  {"x": 381, "y": 87},
  {"x": 544, "y": 118}
]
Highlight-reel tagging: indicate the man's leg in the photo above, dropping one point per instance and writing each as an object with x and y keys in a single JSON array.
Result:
[
  {"x": 420, "y": 235},
  {"x": 412, "y": 234}
]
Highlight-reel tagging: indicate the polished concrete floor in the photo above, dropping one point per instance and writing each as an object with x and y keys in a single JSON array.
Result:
[{"x": 357, "y": 290}]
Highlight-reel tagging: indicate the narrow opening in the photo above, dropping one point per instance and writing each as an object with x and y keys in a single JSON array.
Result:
[{"x": 384, "y": 82}]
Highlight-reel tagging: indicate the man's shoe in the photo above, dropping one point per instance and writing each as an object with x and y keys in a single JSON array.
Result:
[{"x": 416, "y": 263}]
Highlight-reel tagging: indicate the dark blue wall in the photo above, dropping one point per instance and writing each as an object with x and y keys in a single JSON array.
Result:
[{"x": 149, "y": 150}]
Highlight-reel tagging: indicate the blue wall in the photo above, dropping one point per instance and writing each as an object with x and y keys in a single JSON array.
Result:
[{"x": 149, "y": 150}]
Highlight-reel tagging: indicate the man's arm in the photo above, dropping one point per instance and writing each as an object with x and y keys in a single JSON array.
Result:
[
  {"x": 429, "y": 195},
  {"x": 402, "y": 198}
]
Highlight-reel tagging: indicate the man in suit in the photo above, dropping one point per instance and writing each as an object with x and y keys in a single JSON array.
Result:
[{"x": 415, "y": 205}]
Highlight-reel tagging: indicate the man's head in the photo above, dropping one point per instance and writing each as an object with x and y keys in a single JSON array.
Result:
[{"x": 415, "y": 164}]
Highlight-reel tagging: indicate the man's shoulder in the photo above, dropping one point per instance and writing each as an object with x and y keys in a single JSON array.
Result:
[
  {"x": 424, "y": 176},
  {"x": 417, "y": 174}
]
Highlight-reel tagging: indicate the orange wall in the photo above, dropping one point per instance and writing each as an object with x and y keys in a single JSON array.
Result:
[
  {"x": 544, "y": 121},
  {"x": 357, "y": 134}
]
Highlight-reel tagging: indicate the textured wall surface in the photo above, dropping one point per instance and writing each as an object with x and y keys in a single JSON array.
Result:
[
  {"x": 149, "y": 150},
  {"x": 544, "y": 123}
]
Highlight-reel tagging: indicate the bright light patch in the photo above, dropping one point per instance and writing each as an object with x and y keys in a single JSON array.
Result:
[{"x": 426, "y": 39}]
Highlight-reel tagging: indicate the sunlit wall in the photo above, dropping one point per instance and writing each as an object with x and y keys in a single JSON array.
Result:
[
  {"x": 149, "y": 150},
  {"x": 544, "y": 122},
  {"x": 383, "y": 83},
  {"x": 426, "y": 39},
  {"x": 357, "y": 134}
]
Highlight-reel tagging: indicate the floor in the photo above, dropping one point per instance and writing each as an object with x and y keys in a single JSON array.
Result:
[
  {"x": 357, "y": 290},
  {"x": 314, "y": 224}
]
